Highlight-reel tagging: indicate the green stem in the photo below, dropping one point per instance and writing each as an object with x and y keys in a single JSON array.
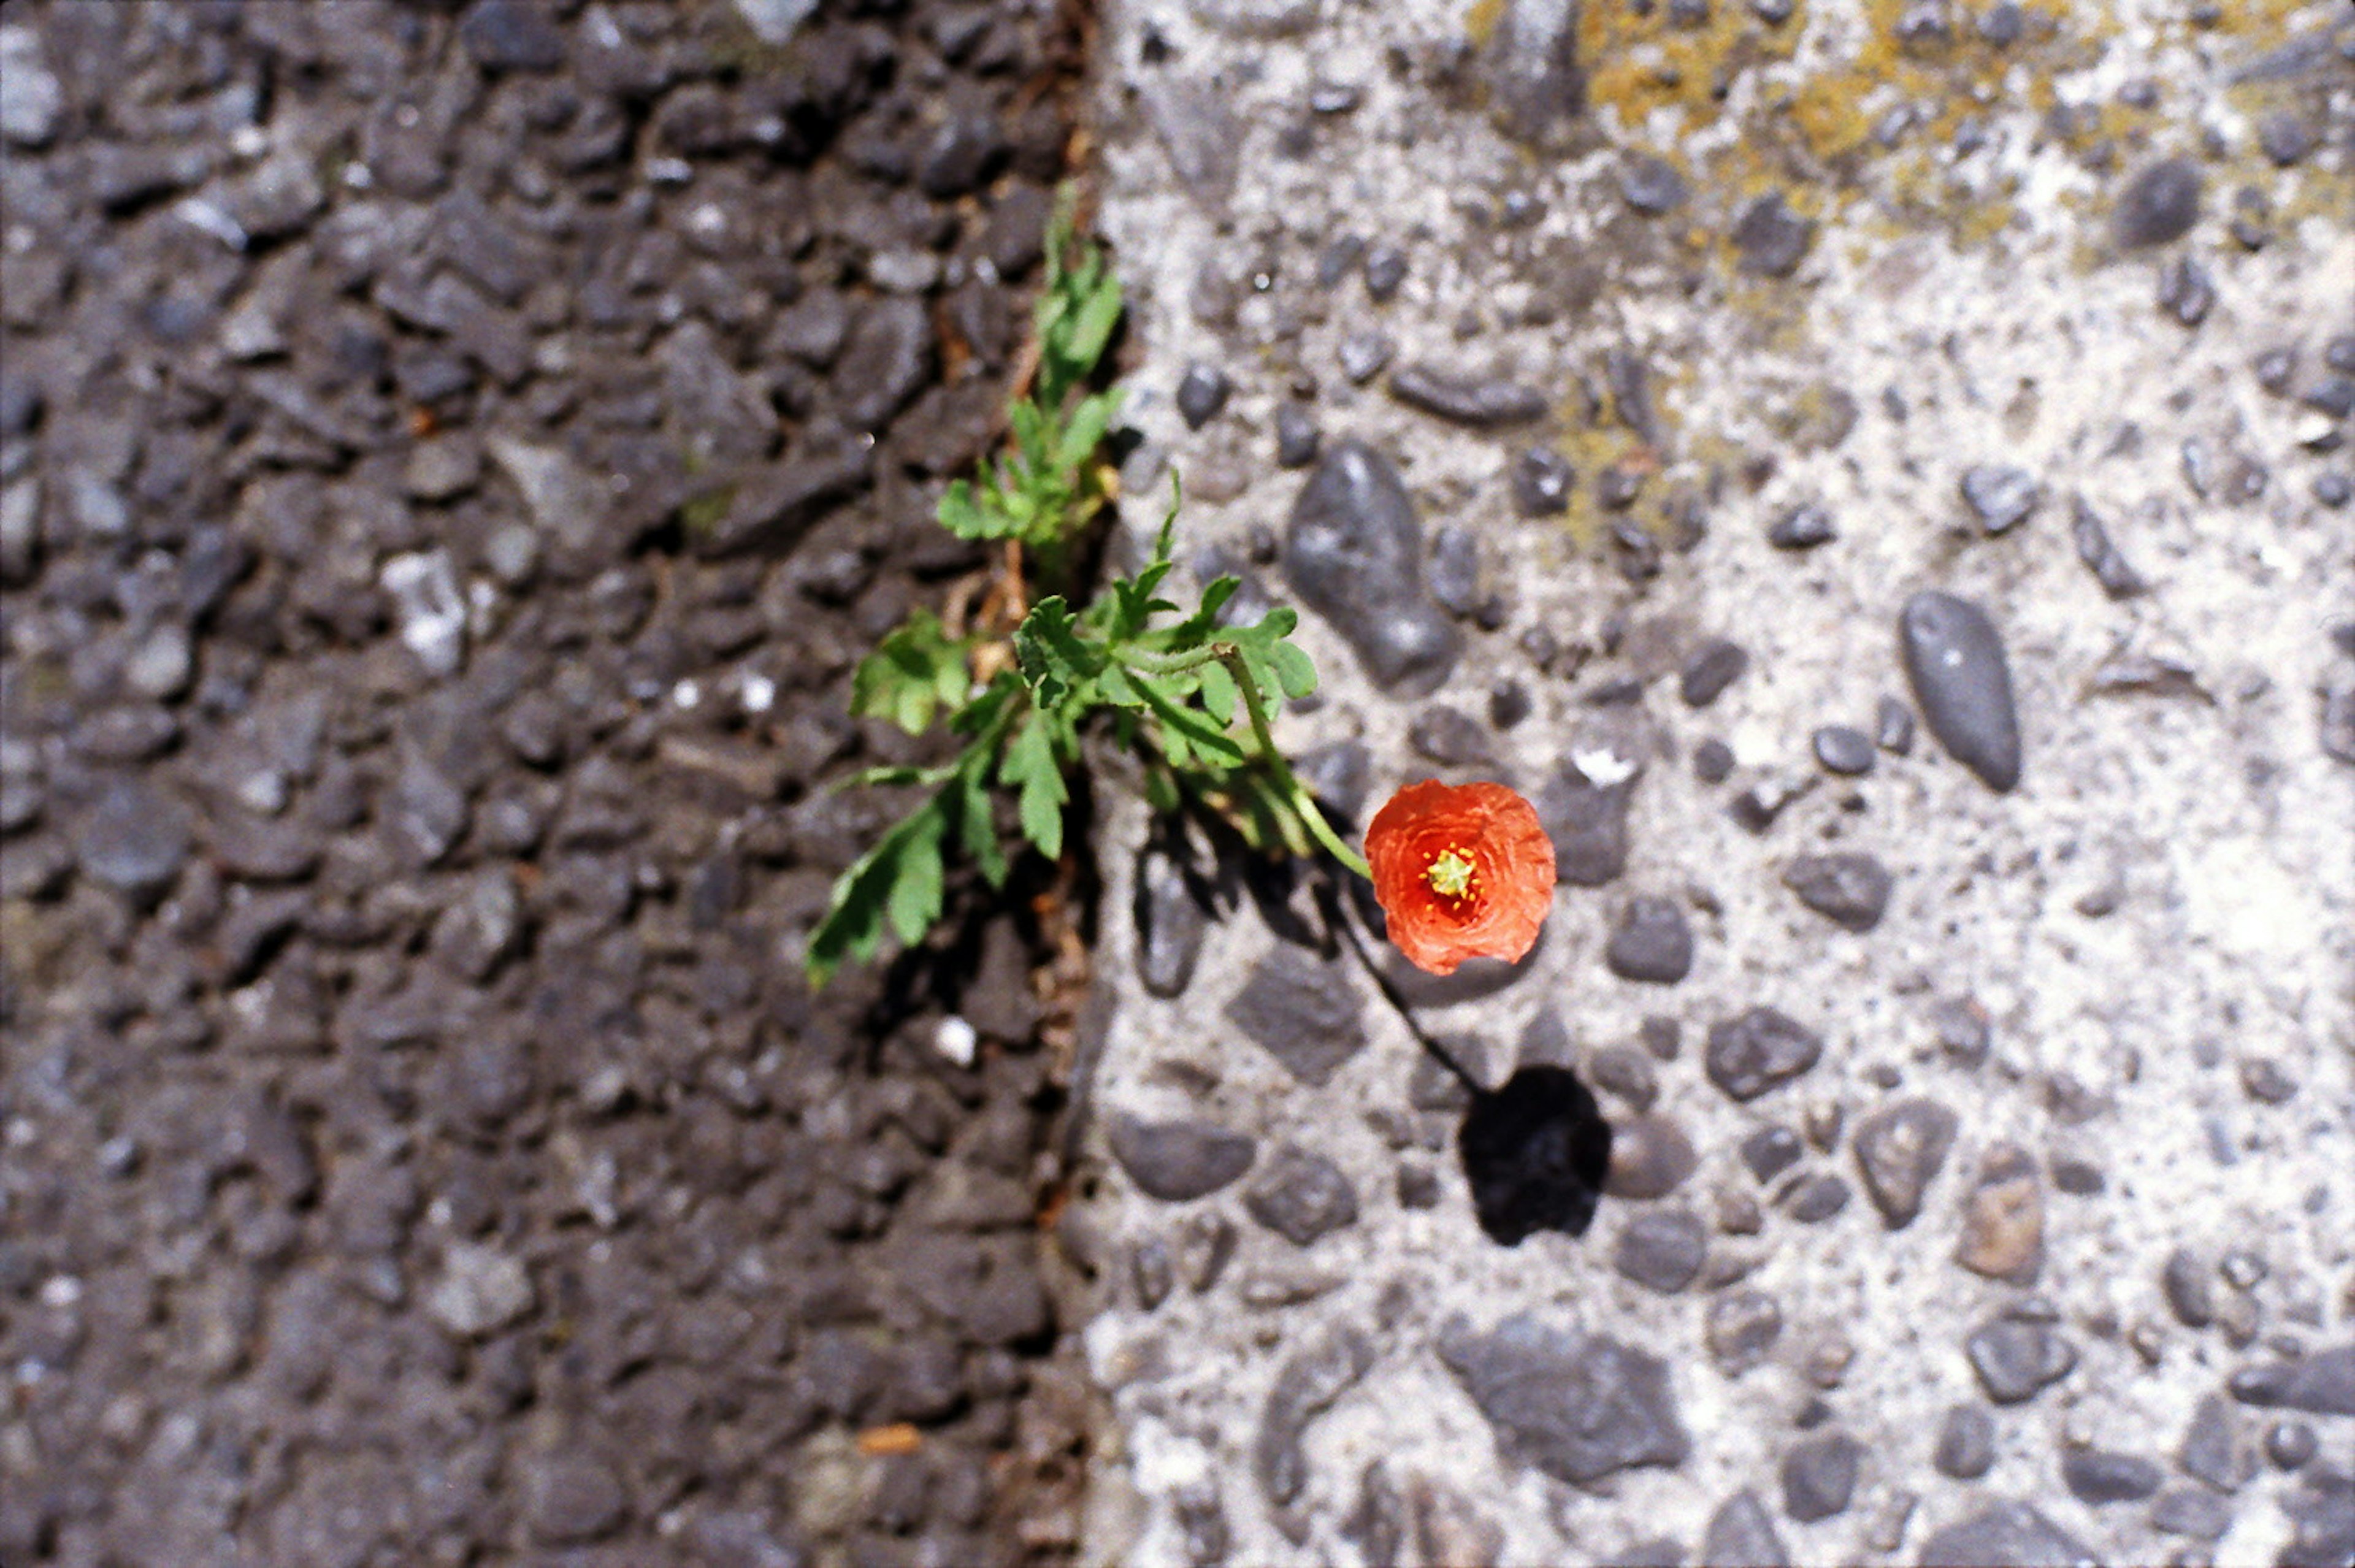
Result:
[{"x": 1301, "y": 802}]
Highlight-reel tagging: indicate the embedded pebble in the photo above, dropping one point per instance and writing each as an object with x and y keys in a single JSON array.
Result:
[
  {"x": 1819, "y": 1477},
  {"x": 2213, "y": 1448},
  {"x": 2286, "y": 136},
  {"x": 1353, "y": 553},
  {"x": 2186, "y": 290},
  {"x": 1586, "y": 814},
  {"x": 1661, "y": 1249},
  {"x": 2017, "y": 1360},
  {"x": 1651, "y": 184},
  {"x": 2290, "y": 1444},
  {"x": 1626, "y": 1071},
  {"x": 1893, "y": 727},
  {"x": 1201, "y": 393},
  {"x": 1302, "y": 1196},
  {"x": 135, "y": 840},
  {"x": 1899, "y": 1150},
  {"x": 2193, "y": 1511},
  {"x": 1741, "y": 1531},
  {"x": 1178, "y": 1161},
  {"x": 1844, "y": 750},
  {"x": 2158, "y": 205},
  {"x": 2003, "y": 1217},
  {"x": 1543, "y": 480},
  {"x": 1713, "y": 666},
  {"x": 1712, "y": 762},
  {"x": 1651, "y": 944},
  {"x": 2099, "y": 1476},
  {"x": 1769, "y": 238},
  {"x": 1817, "y": 1198},
  {"x": 2100, "y": 555},
  {"x": 1363, "y": 355},
  {"x": 2012, "y": 1534},
  {"x": 1170, "y": 922},
  {"x": 2319, "y": 1384},
  {"x": 1386, "y": 269},
  {"x": 1965, "y": 1446},
  {"x": 1802, "y": 527},
  {"x": 1759, "y": 1050},
  {"x": 1956, "y": 662},
  {"x": 1849, "y": 888},
  {"x": 1297, "y": 436},
  {"x": 1577, "y": 1406},
  {"x": 481, "y": 1290},
  {"x": 1741, "y": 1328},
  {"x": 1770, "y": 1151},
  {"x": 1307, "y": 1385},
  {"x": 2002, "y": 498},
  {"x": 1301, "y": 1011},
  {"x": 1650, "y": 1158},
  {"x": 1480, "y": 404}
]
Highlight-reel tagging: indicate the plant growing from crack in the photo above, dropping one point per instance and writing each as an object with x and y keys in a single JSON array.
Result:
[{"x": 1183, "y": 690}]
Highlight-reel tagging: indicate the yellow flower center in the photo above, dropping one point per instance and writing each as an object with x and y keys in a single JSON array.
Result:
[{"x": 1451, "y": 875}]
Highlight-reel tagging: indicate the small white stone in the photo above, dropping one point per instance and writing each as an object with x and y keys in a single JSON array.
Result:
[
  {"x": 433, "y": 615},
  {"x": 955, "y": 1039},
  {"x": 686, "y": 694},
  {"x": 61, "y": 1291},
  {"x": 759, "y": 693}
]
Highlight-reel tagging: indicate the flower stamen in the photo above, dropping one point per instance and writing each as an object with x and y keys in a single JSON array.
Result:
[{"x": 1453, "y": 875}]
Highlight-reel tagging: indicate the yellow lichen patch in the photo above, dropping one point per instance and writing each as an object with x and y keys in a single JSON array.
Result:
[{"x": 1480, "y": 21}]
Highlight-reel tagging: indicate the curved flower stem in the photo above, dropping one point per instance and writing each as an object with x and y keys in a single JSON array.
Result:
[
  {"x": 1301, "y": 802},
  {"x": 1295, "y": 794}
]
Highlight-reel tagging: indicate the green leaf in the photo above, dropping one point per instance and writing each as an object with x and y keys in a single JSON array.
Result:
[
  {"x": 1184, "y": 733},
  {"x": 912, "y": 671},
  {"x": 969, "y": 802},
  {"x": 897, "y": 880},
  {"x": 1054, "y": 661},
  {"x": 1219, "y": 693},
  {"x": 1295, "y": 671},
  {"x": 1030, "y": 764}
]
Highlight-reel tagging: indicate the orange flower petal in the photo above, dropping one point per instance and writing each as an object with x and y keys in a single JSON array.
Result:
[{"x": 1429, "y": 828}]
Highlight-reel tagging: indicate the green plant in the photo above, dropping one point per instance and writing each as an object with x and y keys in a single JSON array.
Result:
[{"x": 1187, "y": 694}]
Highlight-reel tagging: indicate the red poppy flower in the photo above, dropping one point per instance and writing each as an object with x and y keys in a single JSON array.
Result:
[{"x": 1463, "y": 871}]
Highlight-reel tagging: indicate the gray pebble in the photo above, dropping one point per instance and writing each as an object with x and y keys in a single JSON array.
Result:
[
  {"x": 2193, "y": 1511},
  {"x": 1652, "y": 942},
  {"x": 1541, "y": 483},
  {"x": 135, "y": 840},
  {"x": 1449, "y": 737},
  {"x": 2333, "y": 489},
  {"x": 1965, "y": 1446},
  {"x": 1849, "y": 888},
  {"x": 1758, "y": 1050},
  {"x": 1627, "y": 1071},
  {"x": 1817, "y": 1198},
  {"x": 1712, "y": 762},
  {"x": 1301, "y": 1011},
  {"x": 2011, "y": 1533},
  {"x": 2290, "y": 1444},
  {"x": 1956, "y": 662},
  {"x": 1844, "y": 750},
  {"x": 1577, "y": 1406},
  {"x": 1770, "y": 1151},
  {"x": 2186, "y": 291},
  {"x": 1714, "y": 665},
  {"x": 571, "y": 1498},
  {"x": 1802, "y": 527},
  {"x": 1508, "y": 704},
  {"x": 1650, "y": 1158},
  {"x": 1386, "y": 268},
  {"x": 1964, "y": 1030},
  {"x": 1337, "y": 259},
  {"x": 2016, "y": 1359},
  {"x": 1297, "y": 436},
  {"x": 1455, "y": 570},
  {"x": 509, "y": 34},
  {"x": 2321, "y": 1384},
  {"x": 1302, "y": 1196},
  {"x": 1169, "y": 924},
  {"x": 2158, "y": 205},
  {"x": 1742, "y": 1326},
  {"x": 2286, "y": 136},
  {"x": 1899, "y": 1150},
  {"x": 1819, "y": 1477},
  {"x": 1305, "y": 1387},
  {"x": 1418, "y": 1187},
  {"x": 1530, "y": 69},
  {"x": 1481, "y": 404},
  {"x": 2100, "y": 1476},
  {"x": 1651, "y": 184},
  {"x": 1661, "y": 1249},
  {"x": 1769, "y": 238},
  {"x": 2100, "y": 555},
  {"x": 1178, "y": 1161},
  {"x": 1363, "y": 354},
  {"x": 1741, "y": 1531},
  {"x": 1353, "y": 553},
  {"x": 2213, "y": 1448},
  {"x": 1201, "y": 393},
  {"x": 1893, "y": 727},
  {"x": 1588, "y": 823},
  {"x": 2002, "y": 498},
  {"x": 2263, "y": 1080}
]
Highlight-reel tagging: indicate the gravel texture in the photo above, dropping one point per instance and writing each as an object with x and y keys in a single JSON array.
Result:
[
  {"x": 449, "y": 457},
  {"x": 1889, "y": 450}
]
